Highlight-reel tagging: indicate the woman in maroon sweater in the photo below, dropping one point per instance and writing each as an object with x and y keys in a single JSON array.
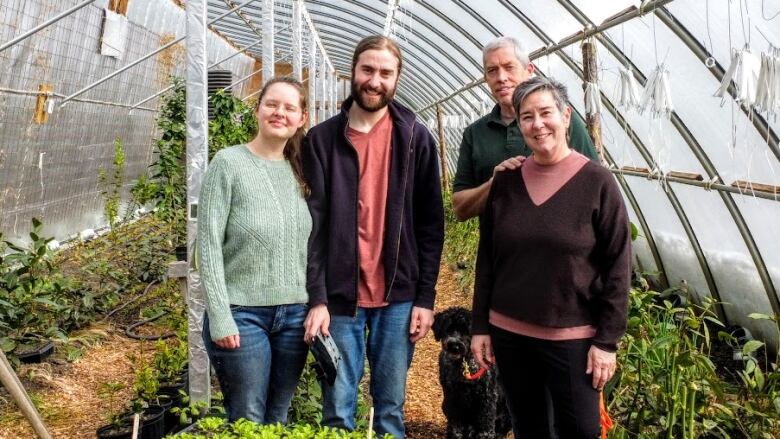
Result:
[{"x": 553, "y": 273}]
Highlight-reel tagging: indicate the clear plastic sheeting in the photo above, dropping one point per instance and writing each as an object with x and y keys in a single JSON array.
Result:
[
  {"x": 50, "y": 171},
  {"x": 197, "y": 160}
]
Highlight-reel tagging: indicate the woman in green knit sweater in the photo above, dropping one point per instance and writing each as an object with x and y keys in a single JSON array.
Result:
[{"x": 253, "y": 231}]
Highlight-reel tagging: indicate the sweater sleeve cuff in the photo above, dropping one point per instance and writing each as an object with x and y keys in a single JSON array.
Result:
[
  {"x": 221, "y": 325},
  {"x": 480, "y": 327},
  {"x": 606, "y": 347},
  {"x": 318, "y": 297},
  {"x": 425, "y": 298}
]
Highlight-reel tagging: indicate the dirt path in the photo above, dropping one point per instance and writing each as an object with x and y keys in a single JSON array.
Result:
[{"x": 76, "y": 398}]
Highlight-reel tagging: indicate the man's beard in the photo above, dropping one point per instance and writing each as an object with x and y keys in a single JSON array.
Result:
[{"x": 384, "y": 98}]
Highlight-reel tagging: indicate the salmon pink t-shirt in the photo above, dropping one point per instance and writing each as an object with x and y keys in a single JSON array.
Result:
[{"x": 374, "y": 150}]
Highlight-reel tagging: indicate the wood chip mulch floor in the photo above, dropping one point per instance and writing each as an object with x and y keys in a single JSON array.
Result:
[{"x": 76, "y": 398}]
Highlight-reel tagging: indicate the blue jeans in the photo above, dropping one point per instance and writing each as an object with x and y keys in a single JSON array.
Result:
[
  {"x": 258, "y": 379},
  {"x": 389, "y": 354}
]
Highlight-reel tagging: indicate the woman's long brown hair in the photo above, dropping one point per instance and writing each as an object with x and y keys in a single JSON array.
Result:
[{"x": 292, "y": 149}]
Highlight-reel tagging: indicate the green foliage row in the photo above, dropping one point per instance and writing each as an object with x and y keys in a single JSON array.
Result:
[
  {"x": 37, "y": 301},
  {"x": 461, "y": 239},
  {"x": 669, "y": 387},
  {"x": 218, "y": 428},
  {"x": 45, "y": 296}
]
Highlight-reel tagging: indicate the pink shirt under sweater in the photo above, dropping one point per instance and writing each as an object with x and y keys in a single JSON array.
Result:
[{"x": 542, "y": 182}]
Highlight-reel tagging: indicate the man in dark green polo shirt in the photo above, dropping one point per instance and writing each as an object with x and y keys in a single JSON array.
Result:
[{"x": 496, "y": 137}]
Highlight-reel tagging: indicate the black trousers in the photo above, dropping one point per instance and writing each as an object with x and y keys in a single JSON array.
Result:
[{"x": 530, "y": 369}]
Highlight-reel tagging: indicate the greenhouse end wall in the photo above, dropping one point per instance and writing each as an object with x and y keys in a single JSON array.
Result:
[{"x": 51, "y": 171}]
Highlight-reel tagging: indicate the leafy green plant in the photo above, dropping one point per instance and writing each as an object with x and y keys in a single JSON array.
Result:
[
  {"x": 36, "y": 300},
  {"x": 234, "y": 122},
  {"x": 306, "y": 404},
  {"x": 112, "y": 185},
  {"x": 667, "y": 385},
  {"x": 461, "y": 239},
  {"x": 241, "y": 429}
]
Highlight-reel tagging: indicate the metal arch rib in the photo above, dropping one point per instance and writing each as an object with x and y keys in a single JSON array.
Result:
[
  {"x": 711, "y": 284},
  {"x": 423, "y": 38},
  {"x": 693, "y": 144},
  {"x": 417, "y": 47},
  {"x": 340, "y": 47}
]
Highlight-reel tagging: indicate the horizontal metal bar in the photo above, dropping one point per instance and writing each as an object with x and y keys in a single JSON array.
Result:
[
  {"x": 565, "y": 42},
  {"x": 45, "y": 24},
  {"x": 170, "y": 87},
  {"x": 702, "y": 184},
  {"x": 59, "y": 95},
  {"x": 147, "y": 56},
  {"x": 243, "y": 79}
]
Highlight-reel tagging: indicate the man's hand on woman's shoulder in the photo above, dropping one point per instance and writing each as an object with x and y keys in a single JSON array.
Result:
[{"x": 509, "y": 164}]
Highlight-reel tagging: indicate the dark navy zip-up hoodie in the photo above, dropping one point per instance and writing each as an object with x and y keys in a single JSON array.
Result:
[{"x": 414, "y": 215}]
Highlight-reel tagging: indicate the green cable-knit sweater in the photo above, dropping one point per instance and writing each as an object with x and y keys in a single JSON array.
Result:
[{"x": 253, "y": 230}]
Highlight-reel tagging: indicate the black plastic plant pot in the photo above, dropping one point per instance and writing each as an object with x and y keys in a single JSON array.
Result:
[
  {"x": 172, "y": 388},
  {"x": 181, "y": 253},
  {"x": 37, "y": 354},
  {"x": 152, "y": 426}
]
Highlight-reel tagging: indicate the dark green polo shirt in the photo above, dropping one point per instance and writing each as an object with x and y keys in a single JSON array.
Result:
[{"x": 488, "y": 142}]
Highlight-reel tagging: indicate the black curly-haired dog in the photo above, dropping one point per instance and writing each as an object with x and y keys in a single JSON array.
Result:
[{"x": 475, "y": 408}]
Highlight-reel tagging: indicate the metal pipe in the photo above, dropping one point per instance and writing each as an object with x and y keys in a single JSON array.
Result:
[
  {"x": 566, "y": 42},
  {"x": 59, "y": 95},
  {"x": 707, "y": 185},
  {"x": 147, "y": 56},
  {"x": 243, "y": 79},
  {"x": 45, "y": 24},
  {"x": 170, "y": 87}
]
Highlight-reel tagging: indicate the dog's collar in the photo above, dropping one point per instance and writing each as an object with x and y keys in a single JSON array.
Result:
[{"x": 472, "y": 376}]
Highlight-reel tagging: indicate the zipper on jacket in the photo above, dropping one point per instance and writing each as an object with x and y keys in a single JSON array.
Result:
[
  {"x": 401, "y": 221},
  {"x": 357, "y": 226}
]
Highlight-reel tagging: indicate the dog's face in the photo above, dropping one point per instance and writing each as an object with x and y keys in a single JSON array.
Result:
[{"x": 453, "y": 328}]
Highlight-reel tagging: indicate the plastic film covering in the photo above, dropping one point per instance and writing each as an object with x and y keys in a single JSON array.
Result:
[
  {"x": 323, "y": 91},
  {"x": 297, "y": 40},
  {"x": 50, "y": 171},
  {"x": 312, "y": 78},
  {"x": 268, "y": 39},
  {"x": 197, "y": 159}
]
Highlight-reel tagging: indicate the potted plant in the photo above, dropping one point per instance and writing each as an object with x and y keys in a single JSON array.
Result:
[{"x": 151, "y": 425}]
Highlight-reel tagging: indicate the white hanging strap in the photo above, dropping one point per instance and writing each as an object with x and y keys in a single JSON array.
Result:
[
  {"x": 747, "y": 77},
  {"x": 727, "y": 77},
  {"x": 592, "y": 99},
  {"x": 744, "y": 71},
  {"x": 629, "y": 91},
  {"x": 663, "y": 95},
  {"x": 768, "y": 86},
  {"x": 657, "y": 94}
]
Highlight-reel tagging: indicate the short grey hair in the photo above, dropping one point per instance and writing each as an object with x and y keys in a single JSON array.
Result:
[
  {"x": 557, "y": 90},
  {"x": 498, "y": 43}
]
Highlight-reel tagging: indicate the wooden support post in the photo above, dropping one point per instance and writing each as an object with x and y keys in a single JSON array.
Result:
[
  {"x": 442, "y": 147},
  {"x": 41, "y": 115},
  {"x": 591, "y": 74},
  {"x": 14, "y": 386}
]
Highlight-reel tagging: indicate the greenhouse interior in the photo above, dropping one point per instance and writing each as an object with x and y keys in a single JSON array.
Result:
[{"x": 111, "y": 112}]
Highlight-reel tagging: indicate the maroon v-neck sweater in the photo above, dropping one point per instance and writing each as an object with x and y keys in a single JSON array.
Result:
[{"x": 561, "y": 264}]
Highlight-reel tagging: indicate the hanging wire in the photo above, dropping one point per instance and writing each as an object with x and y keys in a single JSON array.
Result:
[
  {"x": 745, "y": 32},
  {"x": 763, "y": 13}
]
